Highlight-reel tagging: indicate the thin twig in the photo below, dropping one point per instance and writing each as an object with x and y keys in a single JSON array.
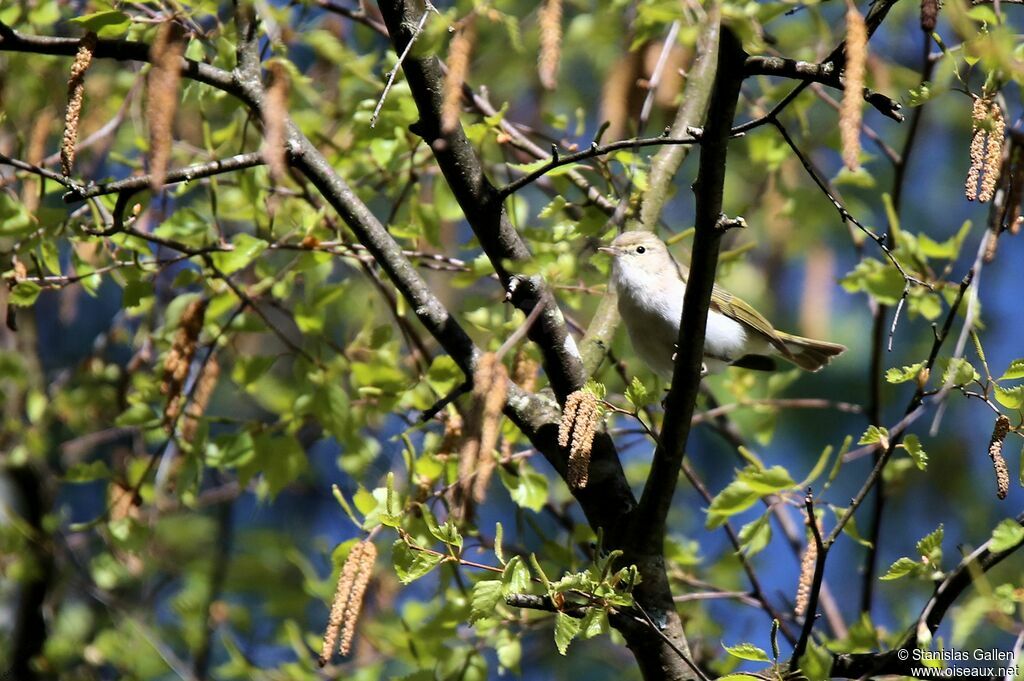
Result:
[{"x": 401, "y": 58}]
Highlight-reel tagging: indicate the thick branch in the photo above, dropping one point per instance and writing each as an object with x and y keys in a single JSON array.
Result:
[
  {"x": 825, "y": 73},
  {"x": 121, "y": 50},
  {"x": 656, "y": 500},
  {"x": 482, "y": 203}
]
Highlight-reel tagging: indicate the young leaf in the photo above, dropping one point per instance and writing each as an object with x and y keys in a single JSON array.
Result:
[
  {"x": 819, "y": 467},
  {"x": 916, "y": 452},
  {"x": 485, "y": 598},
  {"x": 850, "y": 528},
  {"x": 410, "y": 564},
  {"x": 566, "y": 629},
  {"x": 755, "y": 535},
  {"x": 901, "y": 568},
  {"x": 1006, "y": 535},
  {"x": 769, "y": 481},
  {"x": 904, "y": 374},
  {"x": 516, "y": 578},
  {"x": 735, "y": 498},
  {"x": 747, "y": 651},
  {"x": 637, "y": 394},
  {"x": 875, "y": 435},
  {"x": 1011, "y": 398},
  {"x": 1014, "y": 371},
  {"x": 930, "y": 548},
  {"x": 959, "y": 372}
]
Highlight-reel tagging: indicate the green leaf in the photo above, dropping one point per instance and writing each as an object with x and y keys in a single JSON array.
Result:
[
  {"x": 138, "y": 414},
  {"x": 1006, "y": 535},
  {"x": 566, "y": 629},
  {"x": 637, "y": 394},
  {"x": 904, "y": 374},
  {"x": 105, "y": 24},
  {"x": 959, "y": 372},
  {"x": 87, "y": 472},
  {"x": 1011, "y": 398},
  {"x": 508, "y": 649},
  {"x": 24, "y": 293},
  {"x": 516, "y": 577},
  {"x": 875, "y": 435},
  {"x": 819, "y": 467},
  {"x": 929, "y": 547},
  {"x": 735, "y": 498},
  {"x": 246, "y": 248},
  {"x": 768, "y": 481},
  {"x": 901, "y": 568},
  {"x": 1014, "y": 371},
  {"x": 747, "y": 651},
  {"x": 485, "y": 599},
  {"x": 528, "y": 489},
  {"x": 916, "y": 451},
  {"x": 410, "y": 564},
  {"x": 755, "y": 535},
  {"x": 850, "y": 528}
]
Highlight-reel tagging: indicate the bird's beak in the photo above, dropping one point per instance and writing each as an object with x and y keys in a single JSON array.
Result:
[{"x": 606, "y": 249}]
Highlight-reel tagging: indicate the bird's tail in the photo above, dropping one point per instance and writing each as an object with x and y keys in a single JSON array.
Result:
[{"x": 809, "y": 354}]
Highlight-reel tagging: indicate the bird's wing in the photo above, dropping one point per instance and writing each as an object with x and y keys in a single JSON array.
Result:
[
  {"x": 732, "y": 307},
  {"x": 725, "y": 303}
]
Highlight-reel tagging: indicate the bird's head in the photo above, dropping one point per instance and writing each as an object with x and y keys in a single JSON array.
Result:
[{"x": 636, "y": 252}]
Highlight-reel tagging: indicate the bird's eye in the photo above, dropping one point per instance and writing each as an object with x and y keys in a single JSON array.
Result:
[{"x": 640, "y": 249}]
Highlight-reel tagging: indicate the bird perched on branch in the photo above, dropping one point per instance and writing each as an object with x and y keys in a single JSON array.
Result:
[{"x": 651, "y": 285}]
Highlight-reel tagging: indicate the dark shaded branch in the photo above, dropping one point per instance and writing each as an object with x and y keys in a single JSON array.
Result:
[
  {"x": 37, "y": 170},
  {"x": 29, "y": 632},
  {"x": 825, "y": 73},
  {"x": 811, "y": 614},
  {"x": 544, "y": 603},
  {"x": 218, "y": 574},
  {"x": 649, "y": 518},
  {"x": 482, "y": 203},
  {"x": 876, "y": 15},
  {"x": 120, "y": 50}
]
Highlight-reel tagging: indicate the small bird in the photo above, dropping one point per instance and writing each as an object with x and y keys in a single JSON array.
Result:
[{"x": 651, "y": 285}]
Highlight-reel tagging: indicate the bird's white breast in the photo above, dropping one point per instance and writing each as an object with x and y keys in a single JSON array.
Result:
[{"x": 651, "y": 308}]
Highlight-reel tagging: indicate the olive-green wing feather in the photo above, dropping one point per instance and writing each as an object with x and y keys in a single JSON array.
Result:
[{"x": 725, "y": 303}]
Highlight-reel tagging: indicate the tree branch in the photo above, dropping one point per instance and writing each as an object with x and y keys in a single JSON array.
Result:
[
  {"x": 825, "y": 73},
  {"x": 649, "y": 518},
  {"x": 186, "y": 174},
  {"x": 482, "y": 203}
]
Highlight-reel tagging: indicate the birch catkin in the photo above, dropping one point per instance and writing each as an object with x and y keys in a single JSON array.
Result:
[
  {"x": 162, "y": 97},
  {"x": 850, "y": 112},
  {"x": 988, "y": 133},
  {"x": 580, "y": 419},
  {"x": 348, "y": 600},
  {"x": 459, "y": 51},
  {"x": 76, "y": 94},
  {"x": 995, "y": 452},
  {"x": 550, "y": 21},
  {"x": 275, "y": 113}
]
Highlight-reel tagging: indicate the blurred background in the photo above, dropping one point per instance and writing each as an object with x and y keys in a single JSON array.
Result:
[{"x": 223, "y": 568}]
